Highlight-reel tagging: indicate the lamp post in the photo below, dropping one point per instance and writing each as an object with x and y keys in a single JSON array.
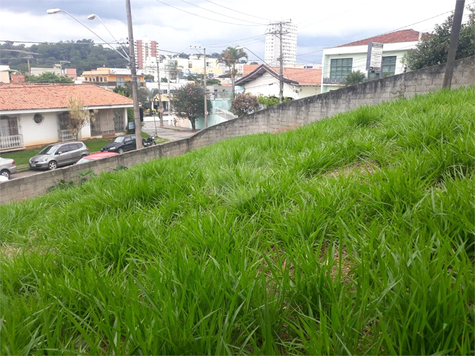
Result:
[
  {"x": 94, "y": 16},
  {"x": 55, "y": 11},
  {"x": 130, "y": 58}
]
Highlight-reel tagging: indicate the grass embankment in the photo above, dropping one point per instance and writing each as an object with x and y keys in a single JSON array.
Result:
[{"x": 353, "y": 235}]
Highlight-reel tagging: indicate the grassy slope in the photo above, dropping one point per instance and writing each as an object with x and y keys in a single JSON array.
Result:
[{"x": 351, "y": 235}]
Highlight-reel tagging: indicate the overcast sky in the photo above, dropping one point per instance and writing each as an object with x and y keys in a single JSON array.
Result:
[{"x": 216, "y": 24}]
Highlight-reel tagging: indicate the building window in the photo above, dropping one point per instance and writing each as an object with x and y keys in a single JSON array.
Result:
[
  {"x": 120, "y": 81},
  {"x": 38, "y": 118},
  {"x": 8, "y": 125},
  {"x": 341, "y": 67},
  {"x": 388, "y": 65}
]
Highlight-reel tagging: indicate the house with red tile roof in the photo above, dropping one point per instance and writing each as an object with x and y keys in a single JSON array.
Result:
[
  {"x": 33, "y": 114},
  {"x": 298, "y": 82},
  {"x": 339, "y": 61}
]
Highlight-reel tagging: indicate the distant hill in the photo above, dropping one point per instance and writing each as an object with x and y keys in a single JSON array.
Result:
[{"x": 82, "y": 55}]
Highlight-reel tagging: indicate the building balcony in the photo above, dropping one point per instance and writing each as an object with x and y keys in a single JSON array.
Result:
[
  {"x": 334, "y": 81},
  {"x": 12, "y": 142}
]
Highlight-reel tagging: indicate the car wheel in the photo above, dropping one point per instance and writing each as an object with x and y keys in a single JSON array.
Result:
[
  {"x": 120, "y": 150},
  {"x": 52, "y": 165},
  {"x": 5, "y": 173}
]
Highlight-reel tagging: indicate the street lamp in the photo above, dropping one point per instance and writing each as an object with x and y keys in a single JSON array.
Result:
[
  {"x": 55, "y": 11},
  {"x": 92, "y": 17},
  {"x": 130, "y": 58}
]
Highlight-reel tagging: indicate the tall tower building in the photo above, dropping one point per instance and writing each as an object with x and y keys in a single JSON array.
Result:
[
  {"x": 289, "y": 43},
  {"x": 144, "y": 49}
]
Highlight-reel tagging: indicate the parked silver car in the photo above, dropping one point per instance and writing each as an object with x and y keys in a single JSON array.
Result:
[
  {"x": 7, "y": 167},
  {"x": 58, "y": 155}
]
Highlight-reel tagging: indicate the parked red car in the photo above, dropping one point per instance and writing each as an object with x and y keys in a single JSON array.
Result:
[{"x": 96, "y": 156}]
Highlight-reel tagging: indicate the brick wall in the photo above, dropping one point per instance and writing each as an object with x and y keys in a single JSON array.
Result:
[{"x": 276, "y": 119}]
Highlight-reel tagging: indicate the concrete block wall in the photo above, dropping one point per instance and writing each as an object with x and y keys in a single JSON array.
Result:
[{"x": 273, "y": 120}]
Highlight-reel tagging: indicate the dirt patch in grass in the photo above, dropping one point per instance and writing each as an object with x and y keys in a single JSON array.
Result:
[
  {"x": 10, "y": 251},
  {"x": 285, "y": 129},
  {"x": 365, "y": 167}
]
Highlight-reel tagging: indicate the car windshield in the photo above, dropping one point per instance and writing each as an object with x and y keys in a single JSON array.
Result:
[
  {"x": 119, "y": 139},
  {"x": 48, "y": 150}
]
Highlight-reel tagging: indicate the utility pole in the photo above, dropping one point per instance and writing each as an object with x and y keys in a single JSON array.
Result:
[
  {"x": 133, "y": 72},
  {"x": 206, "y": 99},
  {"x": 281, "y": 72},
  {"x": 204, "y": 82},
  {"x": 280, "y": 33},
  {"x": 159, "y": 93},
  {"x": 454, "y": 38}
]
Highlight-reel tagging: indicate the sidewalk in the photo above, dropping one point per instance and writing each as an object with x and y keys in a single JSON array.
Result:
[{"x": 149, "y": 123}]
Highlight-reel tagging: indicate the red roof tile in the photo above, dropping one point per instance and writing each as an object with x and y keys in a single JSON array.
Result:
[
  {"x": 299, "y": 76},
  {"x": 30, "y": 96},
  {"x": 392, "y": 37}
]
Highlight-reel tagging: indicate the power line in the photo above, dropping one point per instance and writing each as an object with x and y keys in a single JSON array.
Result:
[
  {"x": 239, "y": 12},
  {"x": 398, "y": 29},
  {"x": 203, "y": 17},
  {"x": 214, "y": 12}
]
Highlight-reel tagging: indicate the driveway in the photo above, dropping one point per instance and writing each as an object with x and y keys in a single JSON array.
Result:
[{"x": 169, "y": 132}]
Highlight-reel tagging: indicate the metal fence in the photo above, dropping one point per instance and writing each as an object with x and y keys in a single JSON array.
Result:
[
  {"x": 9, "y": 142},
  {"x": 65, "y": 135}
]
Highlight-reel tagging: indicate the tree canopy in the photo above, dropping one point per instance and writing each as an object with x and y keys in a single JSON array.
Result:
[
  {"x": 188, "y": 102},
  {"x": 244, "y": 104},
  {"x": 433, "y": 49},
  {"x": 230, "y": 56},
  {"x": 82, "y": 55},
  {"x": 48, "y": 77}
]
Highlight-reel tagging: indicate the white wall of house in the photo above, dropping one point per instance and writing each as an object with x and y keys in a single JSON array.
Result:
[
  {"x": 359, "y": 55},
  {"x": 38, "y": 134},
  {"x": 308, "y": 91},
  {"x": 268, "y": 85},
  {"x": 46, "y": 132}
]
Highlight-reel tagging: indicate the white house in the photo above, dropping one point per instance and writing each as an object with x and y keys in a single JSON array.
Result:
[
  {"x": 339, "y": 61},
  {"x": 298, "y": 82},
  {"x": 36, "y": 114}
]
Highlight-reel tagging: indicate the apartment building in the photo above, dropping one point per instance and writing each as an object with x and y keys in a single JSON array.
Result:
[
  {"x": 289, "y": 43},
  {"x": 145, "y": 49}
]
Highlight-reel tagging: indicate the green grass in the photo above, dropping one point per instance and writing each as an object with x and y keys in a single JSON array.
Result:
[{"x": 353, "y": 235}]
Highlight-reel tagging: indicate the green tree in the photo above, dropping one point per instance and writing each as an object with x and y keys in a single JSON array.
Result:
[
  {"x": 188, "y": 102},
  {"x": 271, "y": 100},
  {"x": 355, "y": 77},
  {"x": 48, "y": 77},
  {"x": 174, "y": 70},
  {"x": 199, "y": 79},
  {"x": 149, "y": 76},
  {"x": 230, "y": 56},
  {"x": 244, "y": 104},
  {"x": 433, "y": 49}
]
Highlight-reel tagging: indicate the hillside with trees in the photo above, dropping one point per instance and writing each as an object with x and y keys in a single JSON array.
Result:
[{"x": 82, "y": 55}]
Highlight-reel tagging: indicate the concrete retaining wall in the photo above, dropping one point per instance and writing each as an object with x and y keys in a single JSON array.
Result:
[{"x": 276, "y": 119}]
